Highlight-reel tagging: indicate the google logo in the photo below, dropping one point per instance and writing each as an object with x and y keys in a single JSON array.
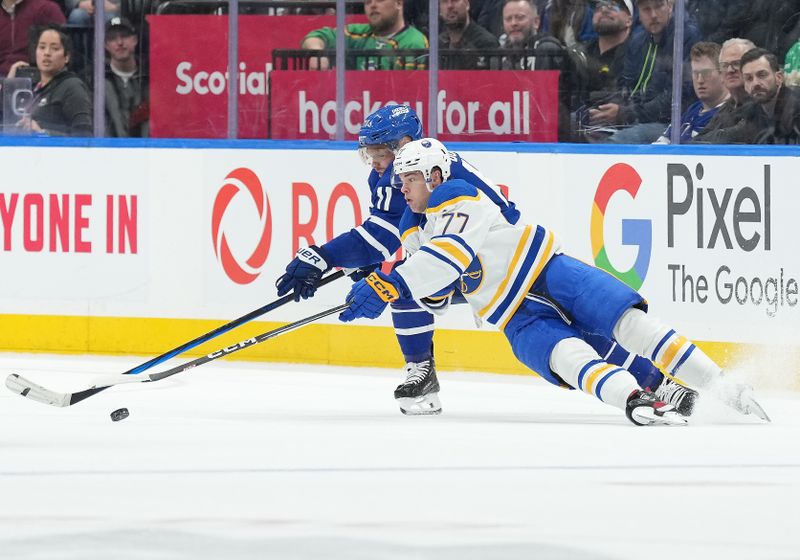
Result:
[{"x": 639, "y": 233}]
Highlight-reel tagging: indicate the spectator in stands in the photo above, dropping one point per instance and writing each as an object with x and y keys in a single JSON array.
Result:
[
  {"x": 569, "y": 21},
  {"x": 81, "y": 12},
  {"x": 520, "y": 23},
  {"x": 612, "y": 20},
  {"x": 16, "y": 18},
  {"x": 127, "y": 107},
  {"x": 61, "y": 103},
  {"x": 460, "y": 32},
  {"x": 489, "y": 14},
  {"x": 731, "y": 111},
  {"x": 710, "y": 90},
  {"x": 386, "y": 30},
  {"x": 773, "y": 117},
  {"x": 646, "y": 83}
]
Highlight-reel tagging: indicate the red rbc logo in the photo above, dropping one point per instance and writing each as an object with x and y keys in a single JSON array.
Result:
[{"x": 241, "y": 180}]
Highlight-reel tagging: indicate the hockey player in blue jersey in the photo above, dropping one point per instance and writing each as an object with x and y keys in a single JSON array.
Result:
[
  {"x": 515, "y": 277},
  {"x": 378, "y": 238},
  {"x": 374, "y": 241}
]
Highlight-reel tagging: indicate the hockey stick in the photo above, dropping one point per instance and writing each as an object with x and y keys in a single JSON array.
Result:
[
  {"x": 26, "y": 388},
  {"x": 203, "y": 338}
]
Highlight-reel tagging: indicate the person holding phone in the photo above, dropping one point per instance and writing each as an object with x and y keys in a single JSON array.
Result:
[{"x": 62, "y": 105}]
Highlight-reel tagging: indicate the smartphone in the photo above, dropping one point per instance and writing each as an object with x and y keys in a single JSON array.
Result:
[{"x": 29, "y": 72}]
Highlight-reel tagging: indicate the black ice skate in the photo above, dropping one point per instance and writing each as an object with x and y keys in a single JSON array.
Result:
[
  {"x": 644, "y": 409},
  {"x": 682, "y": 398},
  {"x": 419, "y": 393}
]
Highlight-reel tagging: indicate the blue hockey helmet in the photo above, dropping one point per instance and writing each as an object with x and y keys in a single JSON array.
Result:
[{"x": 388, "y": 125}]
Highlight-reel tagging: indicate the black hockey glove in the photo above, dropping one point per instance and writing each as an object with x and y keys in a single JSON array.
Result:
[{"x": 304, "y": 273}]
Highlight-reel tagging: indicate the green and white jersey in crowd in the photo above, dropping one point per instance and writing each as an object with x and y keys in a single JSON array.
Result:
[
  {"x": 360, "y": 36},
  {"x": 792, "y": 66}
]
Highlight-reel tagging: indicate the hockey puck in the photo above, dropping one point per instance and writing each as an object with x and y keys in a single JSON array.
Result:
[{"x": 120, "y": 414}]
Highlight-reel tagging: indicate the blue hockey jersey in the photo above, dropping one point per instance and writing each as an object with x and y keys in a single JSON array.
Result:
[{"x": 379, "y": 236}]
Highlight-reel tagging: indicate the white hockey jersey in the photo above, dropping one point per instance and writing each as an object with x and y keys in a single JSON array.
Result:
[{"x": 464, "y": 241}]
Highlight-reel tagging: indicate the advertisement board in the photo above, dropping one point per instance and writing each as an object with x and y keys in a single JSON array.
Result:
[
  {"x": 477, "y": 106},
  {"x": 189, "y": 71},
  {"x": 708, "y": 240},
  {"x": 189, "y": 84},
  {"x": 202, "y": 234}
]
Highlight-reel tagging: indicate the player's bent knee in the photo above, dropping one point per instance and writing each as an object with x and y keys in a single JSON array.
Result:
[{"x": 569, "y": 356}]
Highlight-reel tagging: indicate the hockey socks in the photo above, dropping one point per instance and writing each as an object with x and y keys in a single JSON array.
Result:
[
  {"x": 580, "y": 366},
  {"x": 413, "y": 327},
  {"x": 670, "y": 351},
  {"x": 646, "y": 374}
]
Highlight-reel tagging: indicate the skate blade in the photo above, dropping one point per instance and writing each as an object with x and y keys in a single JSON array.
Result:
[
  {"x": 426, "y": 405},
  {"x": 754, "y": 408},
  {"x": 646, "y": 416}
]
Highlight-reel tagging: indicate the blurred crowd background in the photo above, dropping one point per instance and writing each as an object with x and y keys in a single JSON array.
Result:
[{"x": 617, "y": 78}]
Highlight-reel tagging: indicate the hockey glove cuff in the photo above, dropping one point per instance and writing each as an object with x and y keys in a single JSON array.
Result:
[
  {"x": 361, "y": 273},
  {"x": 304, "y": 273},
  {"x": 370, "y": 296}
]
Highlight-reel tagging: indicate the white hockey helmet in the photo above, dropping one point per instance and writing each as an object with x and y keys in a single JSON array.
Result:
[{"x": 423, "y": 155}]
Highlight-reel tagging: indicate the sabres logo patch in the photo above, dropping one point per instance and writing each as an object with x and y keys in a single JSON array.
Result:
[{"x": 472, "y": 278}]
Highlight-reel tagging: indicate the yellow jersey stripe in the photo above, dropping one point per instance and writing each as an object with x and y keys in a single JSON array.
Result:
[
  {"x": 450, "y": 202},
  {"x": 544, "y": 258},
  {"x": 502, "y": 287},
  {"x": 409, "y": 231},
  {"x": 452, "y": 250}
]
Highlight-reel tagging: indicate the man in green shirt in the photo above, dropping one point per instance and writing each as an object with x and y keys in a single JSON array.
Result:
[{"x": 386, "y": 30}]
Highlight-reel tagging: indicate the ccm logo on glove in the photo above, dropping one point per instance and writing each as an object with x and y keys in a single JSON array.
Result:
[{"x": 387, "y": 292}]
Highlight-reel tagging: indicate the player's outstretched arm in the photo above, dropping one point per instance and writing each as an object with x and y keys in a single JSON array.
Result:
[
  {"x": 370, "y": 296},
  {"x": 304, "y": 273}
]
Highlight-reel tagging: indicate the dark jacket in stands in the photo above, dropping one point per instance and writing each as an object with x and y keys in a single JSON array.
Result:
[
  {"x": 63, "y": 107},
  {"x": 14, "y": 28},
  {"x": 756, "y": 127},
  {"x": 772, "y": 25},
  {"x": 718, "y": 20},
  {"x": 646, "y": 78},
  {"x": 728, "y": 115},
  {"x": 474, "y": 39},
  {"x": 127, "y": 107},
  {"x": 603, "y": 71},
  {"x": 549, "y": 54}
]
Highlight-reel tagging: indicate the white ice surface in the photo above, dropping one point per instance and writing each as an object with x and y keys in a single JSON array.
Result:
[{"x": 253, "y": 461}]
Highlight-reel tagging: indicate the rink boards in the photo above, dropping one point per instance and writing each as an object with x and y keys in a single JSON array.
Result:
[{"x": 137, "y": 247}]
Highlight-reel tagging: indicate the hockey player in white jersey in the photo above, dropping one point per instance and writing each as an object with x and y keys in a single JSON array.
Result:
[
  {"x": 516, "y": 278},
  {"x": 378, "y": 237}
]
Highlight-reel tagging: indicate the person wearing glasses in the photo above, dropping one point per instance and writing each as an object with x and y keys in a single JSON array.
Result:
[
  {"x": 731, "y": 111},
  {"x": 612, "y": 20},
  {"x": 710, "y": 90},
  {"x": 645, "y": 86}
]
